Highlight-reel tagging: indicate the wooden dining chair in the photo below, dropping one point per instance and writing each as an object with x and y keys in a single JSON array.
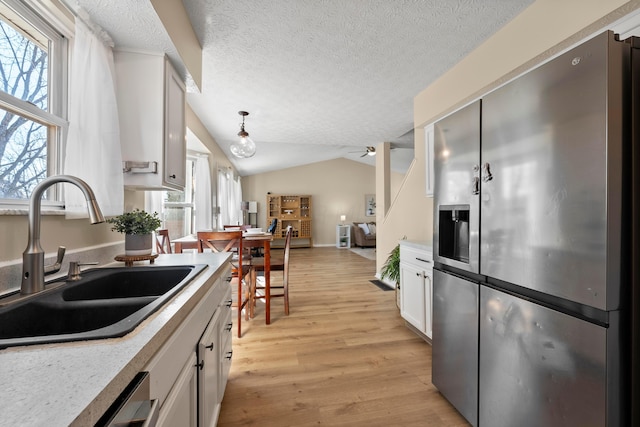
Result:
[
  {"x": 163, "y": 242},
  {"x": 278, "y": 263},
  {"x": 243, "y": 227},
  {"x": 231, "y": 241}
]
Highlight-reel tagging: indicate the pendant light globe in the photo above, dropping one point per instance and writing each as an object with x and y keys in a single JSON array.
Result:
[{"x": 244, "y": 147}]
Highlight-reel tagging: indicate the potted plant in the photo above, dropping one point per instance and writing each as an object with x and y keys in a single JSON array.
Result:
[
  {"x": 391, "y": 268},
  {"x": 137, "y": 226}
]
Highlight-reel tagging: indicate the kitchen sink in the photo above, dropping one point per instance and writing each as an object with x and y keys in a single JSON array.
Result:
[
  {"x": 125, "y": 283},
  {"x": 104, "y": 303},
  {"x": 51, "y": 318}
]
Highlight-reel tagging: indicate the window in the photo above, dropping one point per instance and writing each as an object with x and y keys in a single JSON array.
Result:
[
  {"x": 185, "y": 212},
  {"x": 229, "y": 198},
  {"x": 178, "y": 207},
  {"x": 33, "y": 64}
]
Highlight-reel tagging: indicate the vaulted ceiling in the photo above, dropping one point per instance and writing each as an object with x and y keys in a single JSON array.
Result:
[{"x": 321, "y": 79}]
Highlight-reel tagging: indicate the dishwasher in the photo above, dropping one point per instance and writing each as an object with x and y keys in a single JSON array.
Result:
[{"x": 133, "y": 407}]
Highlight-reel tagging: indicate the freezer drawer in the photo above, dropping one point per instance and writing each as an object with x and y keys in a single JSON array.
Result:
[
  {"x": 455, "y": 342},
  {"x": 540, "y": 367}
]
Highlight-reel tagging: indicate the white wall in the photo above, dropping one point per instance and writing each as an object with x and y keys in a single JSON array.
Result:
[{"x": 337, "y": 188}]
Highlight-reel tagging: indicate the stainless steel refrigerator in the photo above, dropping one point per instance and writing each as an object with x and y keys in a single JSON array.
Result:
[{"x": 535, "y": 245}]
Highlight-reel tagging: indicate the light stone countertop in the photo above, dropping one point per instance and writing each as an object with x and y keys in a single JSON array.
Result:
[
  {"x": 75, "y": 383},
  {"x": 422, "y": 245}
]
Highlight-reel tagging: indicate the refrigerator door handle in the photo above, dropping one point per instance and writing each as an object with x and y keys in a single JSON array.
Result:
[
  {"x": 486, "y": 172},
  {"x": 475, "y": 182}
]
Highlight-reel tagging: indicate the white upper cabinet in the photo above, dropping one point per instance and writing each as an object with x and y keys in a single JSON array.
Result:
[
  {"x": 428, "y": 149},
  {"x": 151, "y": 108}
]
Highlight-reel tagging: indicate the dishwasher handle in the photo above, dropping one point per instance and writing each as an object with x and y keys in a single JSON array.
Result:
[
  {"x": 134, "y": 406},
  {"x": 154, "y": 412}
]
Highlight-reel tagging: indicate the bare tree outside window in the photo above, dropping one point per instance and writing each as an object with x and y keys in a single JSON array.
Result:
[{"x": 23, "y": 141}]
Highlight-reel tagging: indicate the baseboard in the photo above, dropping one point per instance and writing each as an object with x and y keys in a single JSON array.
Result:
[{"x": 417, "y": 332}]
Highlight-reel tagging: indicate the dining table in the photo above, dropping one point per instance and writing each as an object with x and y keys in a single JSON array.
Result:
[{"x": 249, "y": 240}]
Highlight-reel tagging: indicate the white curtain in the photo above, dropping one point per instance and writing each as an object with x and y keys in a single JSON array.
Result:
[
  {"x": 236, "y": 215},
  {"x": 223, "y": 198},
  {"x": 93, "y": 144},
  {"x": 153, "y": 202},
  {"x": 203, "y": 194},
  {"x": 229, "y": 198}
]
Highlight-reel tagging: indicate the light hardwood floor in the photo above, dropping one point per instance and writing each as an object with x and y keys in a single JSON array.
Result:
[{"x": 343, "y": 357}]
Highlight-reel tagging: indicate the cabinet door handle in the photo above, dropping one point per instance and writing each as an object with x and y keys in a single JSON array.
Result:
[
  {"x": 229, "y": 303},
  {"x": 210, "y": 346},
  {"x": 423, "y": 260},
  {"x": 200, "y": 365},
  {"x": 229, "y": 327},
  {"x": 229, "y": 354},
  {"x": 172, "y": 176}
]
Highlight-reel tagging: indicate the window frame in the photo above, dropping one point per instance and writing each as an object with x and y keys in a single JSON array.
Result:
[
  {"x": 55, "y": 117},
  {"x": 189, "y": 188}
]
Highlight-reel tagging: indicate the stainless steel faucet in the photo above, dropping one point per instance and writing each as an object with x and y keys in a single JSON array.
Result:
[{"x": 33, "y": 256}]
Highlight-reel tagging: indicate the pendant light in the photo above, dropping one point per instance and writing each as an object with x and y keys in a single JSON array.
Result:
[{"x": 244, "y": 147}]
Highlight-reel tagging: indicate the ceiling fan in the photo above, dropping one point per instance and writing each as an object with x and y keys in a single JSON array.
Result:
[{"x": 370, "y": 151}]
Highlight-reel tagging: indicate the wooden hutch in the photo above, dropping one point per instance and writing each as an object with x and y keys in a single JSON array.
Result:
[{"x": 291, "y": 210}]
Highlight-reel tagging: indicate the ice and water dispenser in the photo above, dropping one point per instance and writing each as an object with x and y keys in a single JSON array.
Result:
[{"x": 453, "y": 232}]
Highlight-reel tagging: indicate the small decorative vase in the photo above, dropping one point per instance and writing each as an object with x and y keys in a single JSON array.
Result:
[{"x": 138, "y": 244}]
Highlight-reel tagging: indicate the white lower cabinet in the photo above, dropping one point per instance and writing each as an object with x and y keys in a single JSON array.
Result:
[
  {"x": 416, "y": 286},
  {"x": 208, "y": 372},
  {"x": 226, "y": 350},
  {"x": 186, "y": 373},
  {"x": 180, "y": 407},
  {"x": 214, "y": 362},
  {"x": 413, "y": 288}
]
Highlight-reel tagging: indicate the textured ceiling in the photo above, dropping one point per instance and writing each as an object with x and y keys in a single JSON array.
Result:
[{"x": 321, "y": 79}]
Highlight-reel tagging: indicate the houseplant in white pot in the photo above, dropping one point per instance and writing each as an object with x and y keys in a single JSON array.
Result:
[{"x": 137, "y": 226}]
